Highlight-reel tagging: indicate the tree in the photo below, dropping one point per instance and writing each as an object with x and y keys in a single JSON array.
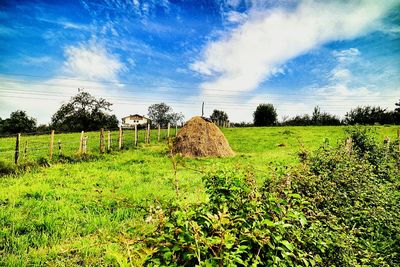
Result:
[
  {"x": 219, "y": 117},
  {"x": 368, "y": 115},
  {"x": 316, "y": 116},
  {"x": 84, "y": 113},
  {"x": 162, "y": 114},
  {"x": 265, "y": 115},
  {"x": 19, "y": 122},
  {"x": 299, "y": 120},
  {"x": 323, "y": 118},
  {"x": 396, "y": 113}
]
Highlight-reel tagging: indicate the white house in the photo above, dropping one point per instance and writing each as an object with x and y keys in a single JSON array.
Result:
[{"x": 132, "y": 120}]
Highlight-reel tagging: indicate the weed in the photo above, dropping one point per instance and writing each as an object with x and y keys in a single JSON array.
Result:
[{"x": 6, "y": 168}]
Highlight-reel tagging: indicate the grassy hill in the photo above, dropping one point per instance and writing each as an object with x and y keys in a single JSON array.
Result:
[{"x": 88, "y": 213}]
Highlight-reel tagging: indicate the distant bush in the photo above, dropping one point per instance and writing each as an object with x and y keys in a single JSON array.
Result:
[
  {"x": 318, "y": 118},
  {"x": 242, "y": 124},
  {"x": 299, "y": 120},
  {"x": 370, "y": 115}
]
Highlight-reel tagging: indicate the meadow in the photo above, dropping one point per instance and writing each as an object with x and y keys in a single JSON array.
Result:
[{"x": 90, "y": 213}]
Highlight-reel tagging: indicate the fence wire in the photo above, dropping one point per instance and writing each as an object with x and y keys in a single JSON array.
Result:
[{"x": 33, "y": 146}]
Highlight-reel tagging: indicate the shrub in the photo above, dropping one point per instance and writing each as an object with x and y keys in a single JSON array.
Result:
[
  {"x": 353, "y": 202},
  {"x": 338, "y": 208},
  {"x": 240, "y": 225}
]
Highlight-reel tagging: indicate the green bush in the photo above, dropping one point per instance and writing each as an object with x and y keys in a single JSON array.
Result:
[
  {"x": 241, "y": 225},
  {"x": 338, "y": 208},
  {"x": 354, "y": 200}
]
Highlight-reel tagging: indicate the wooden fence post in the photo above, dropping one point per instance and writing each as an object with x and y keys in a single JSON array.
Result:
[
  {"x": 26, "y": 150},
  {"x": 51, "y": 144},
  {"x": 59, "y": 147},
  {"x": 148, "y": 133},
  {"x": 102, "y": 141},
  {"x": 176, "y": 129},
  {"x": 16, "y": 155},
  {"x": 81, "y": 142},
  {"x": 159, "y": 133},
  {"x": 120, "y": 138},
  {"x": 136, "y": 135},
  {"x": 108, "y": 141},
  {"x": 84, "y": 145},
  {"x": 169, "y": 127}
]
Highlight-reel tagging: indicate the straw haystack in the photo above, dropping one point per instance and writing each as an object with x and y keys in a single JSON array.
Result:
[{"x": 201, "y": 138}]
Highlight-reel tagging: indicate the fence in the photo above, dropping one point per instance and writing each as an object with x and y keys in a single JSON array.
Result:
[{"x": 25, "y": 147}]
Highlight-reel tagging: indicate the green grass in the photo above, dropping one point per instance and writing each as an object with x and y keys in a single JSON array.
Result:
[{"x": 86, "y": 213}]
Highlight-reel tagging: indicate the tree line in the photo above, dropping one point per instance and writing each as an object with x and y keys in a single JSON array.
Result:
[
  {"x": 84, "y": 112},
  {"x": 266, "y": 115}
]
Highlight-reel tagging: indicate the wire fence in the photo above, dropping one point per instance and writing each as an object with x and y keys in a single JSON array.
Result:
[{"x": 28, "y": 147}]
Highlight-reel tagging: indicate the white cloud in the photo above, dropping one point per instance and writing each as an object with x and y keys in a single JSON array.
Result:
[
  {"x": 345, "y": 58},
  {"x": 242, "y": 58},
  {"x": 66, "y": 24},
  {"x": 347, "y": 55},
  {"x": 236, "y": 17},
  {"x": 234, "y": 3},
  {"x": 92, "y": 61}
]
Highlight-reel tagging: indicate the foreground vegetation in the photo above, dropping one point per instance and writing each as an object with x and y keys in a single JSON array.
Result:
[
  {"x": 329, "y": 208},
  {"x": 338, "y": 208}
]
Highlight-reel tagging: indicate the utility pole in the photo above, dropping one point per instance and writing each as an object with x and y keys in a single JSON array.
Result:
[{"x": 202, "y": 110}]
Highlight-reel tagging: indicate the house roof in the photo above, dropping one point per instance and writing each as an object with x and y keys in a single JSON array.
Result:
[{"x": 135, "y": 115}]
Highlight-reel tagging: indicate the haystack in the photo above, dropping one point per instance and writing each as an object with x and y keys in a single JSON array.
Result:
[{"x": 201, "y": 138}]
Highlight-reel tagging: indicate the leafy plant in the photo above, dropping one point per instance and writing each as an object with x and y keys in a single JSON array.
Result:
[
  {"x": 353, "y": 202},
  {"x": 241, "y": 225},
  {"x": 338, "y": 208}
]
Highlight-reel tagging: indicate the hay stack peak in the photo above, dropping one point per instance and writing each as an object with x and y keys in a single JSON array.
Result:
[{"x": 201, "y": 138}]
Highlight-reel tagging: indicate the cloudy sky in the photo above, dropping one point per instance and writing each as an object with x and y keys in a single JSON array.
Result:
[{"x": 231, "y": 54}]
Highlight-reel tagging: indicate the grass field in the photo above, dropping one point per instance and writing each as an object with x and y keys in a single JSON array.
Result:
[{"x": 88, "y": 213}]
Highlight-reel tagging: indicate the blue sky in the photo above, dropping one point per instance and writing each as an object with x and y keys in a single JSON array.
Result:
[{"x": 232, "y": 54}]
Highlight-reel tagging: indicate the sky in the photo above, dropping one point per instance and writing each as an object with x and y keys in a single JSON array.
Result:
[{"x": 231, "y": 54}]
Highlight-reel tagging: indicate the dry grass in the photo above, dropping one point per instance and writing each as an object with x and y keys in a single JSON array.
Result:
[{"x": 201, "y": 138}]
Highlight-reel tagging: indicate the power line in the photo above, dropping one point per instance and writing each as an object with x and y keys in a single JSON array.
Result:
[
  {"x": 286, "y": 97},
  {"x": 119, "y": 83},
  {"x": 175, "y": 102}
]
